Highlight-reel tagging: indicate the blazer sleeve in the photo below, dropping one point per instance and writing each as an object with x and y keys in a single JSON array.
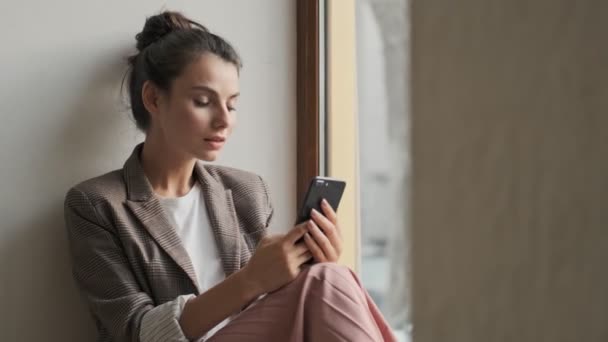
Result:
[
  {"x": 161, "y": 324},
  {"x": 101, "y": 271},
  {"x": 269, "y": 206}
]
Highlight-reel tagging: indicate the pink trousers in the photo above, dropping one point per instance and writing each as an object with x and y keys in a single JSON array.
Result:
[{"x": 325, "y": 303}]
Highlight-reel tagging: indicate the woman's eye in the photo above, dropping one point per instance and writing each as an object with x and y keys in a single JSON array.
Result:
[
  {"x": 231, "y": 106},
  {"x": 201, "y": 103}
]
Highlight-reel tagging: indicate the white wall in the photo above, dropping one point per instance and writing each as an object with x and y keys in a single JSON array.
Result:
[
  {"x": 62, "y": 121},
  {"x": 510, "y": 170}
]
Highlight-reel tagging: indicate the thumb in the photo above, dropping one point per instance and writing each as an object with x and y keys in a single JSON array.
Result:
[
  {"x": 269, "y": 239},
  {"x": 297, "y": 232}
]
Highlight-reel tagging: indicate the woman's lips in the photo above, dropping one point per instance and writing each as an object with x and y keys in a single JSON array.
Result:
[{"x": 215, "y": 143}]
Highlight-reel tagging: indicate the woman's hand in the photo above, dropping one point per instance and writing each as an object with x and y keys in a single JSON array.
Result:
[
  {"x": 324, "y": 239},
  {"x": 277, "y": 260}
]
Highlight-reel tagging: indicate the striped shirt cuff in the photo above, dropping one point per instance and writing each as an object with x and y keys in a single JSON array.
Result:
[{"x": 162, "y": 322}]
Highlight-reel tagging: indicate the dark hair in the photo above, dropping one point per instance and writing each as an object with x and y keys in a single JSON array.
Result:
[{"x": 167, "y": 44}]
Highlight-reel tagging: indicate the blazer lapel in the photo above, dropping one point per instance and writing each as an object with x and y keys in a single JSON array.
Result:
[
  {"x": 223, "y": 219},
  {"x": 148, "y": 210}
]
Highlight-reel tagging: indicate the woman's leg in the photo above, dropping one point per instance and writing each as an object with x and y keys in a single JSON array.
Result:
[{"x": 326, "y": 302}]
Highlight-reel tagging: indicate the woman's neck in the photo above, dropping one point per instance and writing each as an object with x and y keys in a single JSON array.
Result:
[{"x": 169, "y": 172}]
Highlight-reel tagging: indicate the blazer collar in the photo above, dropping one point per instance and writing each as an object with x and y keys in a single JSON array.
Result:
[{"x": 220, "y": 207}]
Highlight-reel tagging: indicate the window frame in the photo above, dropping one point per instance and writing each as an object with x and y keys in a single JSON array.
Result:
[{"x": 326, "y": 108}]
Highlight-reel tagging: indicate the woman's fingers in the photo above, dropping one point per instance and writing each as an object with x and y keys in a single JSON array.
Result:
[
  {"x": 322, "y": 221},
  {"x": 329, "y": 212},
  {"x": 299, "y": 249},
  {"x": 323, "y": 242},
  {"x": 295, "y": 234},
  {"x": 329, "y": 229},
  {"x": 314, "y": 248},
  {"x": 304, "y": 258}
]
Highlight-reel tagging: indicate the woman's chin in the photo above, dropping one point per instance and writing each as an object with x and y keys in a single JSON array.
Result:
[{"x": 209, "y": 156}]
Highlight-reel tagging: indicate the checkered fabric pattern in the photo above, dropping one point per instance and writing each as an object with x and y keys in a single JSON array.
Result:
[{"x": 126, "y": 256}]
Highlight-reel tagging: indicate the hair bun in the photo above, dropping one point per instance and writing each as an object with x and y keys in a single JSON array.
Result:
[{"x": 158, "y": 26}]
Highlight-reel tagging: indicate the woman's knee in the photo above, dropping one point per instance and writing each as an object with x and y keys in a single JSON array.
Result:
[
  {"x": 324, "y": 268},
  {"x": 331, "y": 272}
]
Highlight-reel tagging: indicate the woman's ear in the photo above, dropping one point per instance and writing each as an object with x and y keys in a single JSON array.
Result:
[{"x": 151, "y": 97}]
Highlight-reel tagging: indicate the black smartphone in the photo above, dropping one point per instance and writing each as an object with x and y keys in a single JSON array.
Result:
[{"x": 320, "y": 188}]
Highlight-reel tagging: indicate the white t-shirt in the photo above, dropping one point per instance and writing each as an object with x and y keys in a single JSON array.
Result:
[{"x": 188, "y": 215}]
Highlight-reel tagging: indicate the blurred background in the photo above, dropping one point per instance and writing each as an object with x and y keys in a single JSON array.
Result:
[
  {"x": 382, "y": 41},
  {"x": 483, "y": 169}
]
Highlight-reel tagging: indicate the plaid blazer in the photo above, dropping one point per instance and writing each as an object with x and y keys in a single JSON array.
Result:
[{"x": 126, "y": 256}]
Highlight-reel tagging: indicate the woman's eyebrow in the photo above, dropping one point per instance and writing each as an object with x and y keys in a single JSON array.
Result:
[{"x": 211, "y": 90}]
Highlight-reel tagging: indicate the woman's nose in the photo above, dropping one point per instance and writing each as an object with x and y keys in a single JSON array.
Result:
[{"x": 222, "y": 117}]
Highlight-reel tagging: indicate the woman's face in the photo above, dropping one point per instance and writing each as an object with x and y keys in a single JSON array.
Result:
[{"x": 198, "y": 115}]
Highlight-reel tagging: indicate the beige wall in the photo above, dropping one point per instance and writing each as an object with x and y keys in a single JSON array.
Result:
[
  {"x": 62, "y": 121},
  {"x": 510, "y": 161}
]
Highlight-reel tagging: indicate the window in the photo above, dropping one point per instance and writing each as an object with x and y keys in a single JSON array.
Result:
[
  {"x": 353, "y": 125},
  {"x": 382, "y": 101}
]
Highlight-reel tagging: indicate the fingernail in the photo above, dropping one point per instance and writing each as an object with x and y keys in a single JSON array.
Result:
[
  {"x": 324, "y": 201},
  {"x": 315, "y": 212}
]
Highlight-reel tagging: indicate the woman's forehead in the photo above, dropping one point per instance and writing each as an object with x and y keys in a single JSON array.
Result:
[{"x": 210, "y": 71}]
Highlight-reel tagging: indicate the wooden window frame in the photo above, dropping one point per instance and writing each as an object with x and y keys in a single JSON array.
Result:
[
  {"x": 308, "y": 94},
  {"x": 331, "y": 150}
]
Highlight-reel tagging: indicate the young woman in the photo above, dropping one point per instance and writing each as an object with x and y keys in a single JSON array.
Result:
[{"x": 170, "y": 249}]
